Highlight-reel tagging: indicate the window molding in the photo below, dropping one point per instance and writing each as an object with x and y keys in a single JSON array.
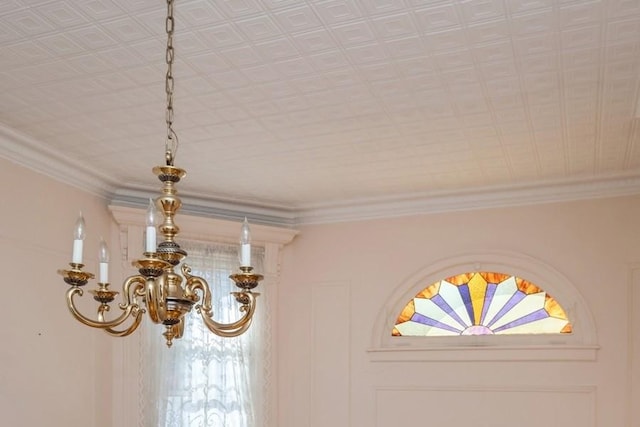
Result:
[
  {"x": 580, "y": 345},
  {"x": 127, "y": 391}
]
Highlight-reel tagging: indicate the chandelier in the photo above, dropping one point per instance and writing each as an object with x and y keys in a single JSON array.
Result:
[{"x": 158, "y": 290}]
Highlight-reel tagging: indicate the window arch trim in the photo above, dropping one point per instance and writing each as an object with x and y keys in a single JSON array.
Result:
[{"x": 581, "y": 344}]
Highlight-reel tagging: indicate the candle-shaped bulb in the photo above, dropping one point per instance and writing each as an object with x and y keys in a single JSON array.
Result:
[
  {"x": 78, "y": 230},
  {"x": 103, "y": 252},
  {"x": 150, "y": 232},
  {"x": 152, "y": 214},
  {"x": 245, "y": 244},
  {"x": 78, "y": 240},
  {"x": 103, "y": 257}
]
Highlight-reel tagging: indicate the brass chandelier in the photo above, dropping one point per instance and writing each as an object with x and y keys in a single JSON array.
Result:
[{"x": 158, "y": 289}]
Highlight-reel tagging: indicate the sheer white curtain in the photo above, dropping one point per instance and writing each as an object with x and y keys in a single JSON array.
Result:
[{"x": 205, "y": 380}]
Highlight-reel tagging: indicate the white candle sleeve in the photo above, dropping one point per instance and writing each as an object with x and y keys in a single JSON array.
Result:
[
  {"x": 104, "y": 272},
  {"x": 150, "y": 241},
  {"x": 245, "y": 255},
  {"x": 76, "y": 257}
]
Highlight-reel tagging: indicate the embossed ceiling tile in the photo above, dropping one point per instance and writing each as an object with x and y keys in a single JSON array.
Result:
[
  {"x": 620, "y": 52},
  {"x": 92, "y": 38},
  {"x": 536, "y": 45},
  {"x": 298, "y": 20},
  {"x": 220, "y": 36},
  {"x": 322, "y": 98},
  {"x": 296, "y": 67},
  {"x": 577, "y": 58},
  {"x": 362, "y": 55},
  {"x": 517, "y": 114},
  {"x": 581, "y": 37},
  {"x": 583, "y": 13},
  {"x": 540, "y": 22},
  {"x": 53, "y": 71},
  {"x": 506, "y": 101},
  {"x": 209, "y": 62},
  {"x": 243, "y": 56},
  {"x": 261, "y": 74},
  {"x": 259, "y": 28},
  {"x": 279, "y": 89},
  {"x": 445, "y": 41},
  {"x": 292, "y": 104},
  {"x": 280, "y": 48},
  {"x": 623, "y": 8},
  {"x": 375, "y": 7},
  {"x": 201, "y": 13},
  {"x": 434, "y": 19},
  {"x": 545, "y": 98},
  {"x": 239, "y": 8},
  {"x": 447, "y": 62},
  {"x": 61, "y": 15},
  {"x": 624, "y": 30},
  {"x": 508, "y": 128},
  {"x": 498, "y": 70},
  {"x": 24, "y": 53},
  {"x": 126, "y": 29},
  {"x": 488, "y": 32},
  {"x": 329, "y": 60},
  {"x": 99, "y": 9},
  {"x": 28, "y": 23},
  {"x": 493, "y": 52},
  {"x": 471, "y": 105},
  {"x": 462, "y": 77},
  {"x": 475, "y": 11},
  {"x": 353, "y": 33},
  {"x": 378, "y": 71},
  {"x": 405, "y": 48},
  {"x": 229, "y": 79},
  {"x": 393, "y": 26},
  {"x": 517, "y": 7},
  {"x": 416, "y": 66},
  {"x": 314, "y": 41},
  {"x": 9, "y": 6},
  {"x": 542, "y": 63},
  {"x": 121, "y": 57},
  {"x": 336, "y": 11}
]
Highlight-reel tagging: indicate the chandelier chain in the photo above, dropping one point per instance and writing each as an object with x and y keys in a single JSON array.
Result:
[{"x": 171, "y": 144}]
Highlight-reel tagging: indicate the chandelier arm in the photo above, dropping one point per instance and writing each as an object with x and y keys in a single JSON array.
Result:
[
  {"x": 156, "y": 299},
  {"x": 132, "y": 288},
  {"x": 123, "y": 333},
  {"x": 195, "y": 283},
  {"x": 101, "y": 324}
]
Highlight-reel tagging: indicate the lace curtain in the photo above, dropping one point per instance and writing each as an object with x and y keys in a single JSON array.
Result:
[{"x": 205, "y": 380}]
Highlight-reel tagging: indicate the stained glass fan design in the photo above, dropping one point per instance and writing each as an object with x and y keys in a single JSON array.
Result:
[{"x": 482, "y": 303}]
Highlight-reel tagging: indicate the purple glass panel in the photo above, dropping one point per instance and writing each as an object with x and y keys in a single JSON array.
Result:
[
  {"x": 491, "y": 290},
  {"x": 440, "y": 302},
  {"x": 531, "y": 317},
  {"x": 514, "y": 300},
  {"x": 466, "y": 298},
  {"x": 419, "y": 318}
]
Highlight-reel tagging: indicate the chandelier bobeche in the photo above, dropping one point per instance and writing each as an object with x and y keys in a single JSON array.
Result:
[{"x": 166, "y": 295}]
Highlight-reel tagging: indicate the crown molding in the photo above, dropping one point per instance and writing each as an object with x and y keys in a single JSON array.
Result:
[
  {"x": 482, "y": 198},
  {"x": 32, "y": 154},
  {"x": 36, "y": 156}
]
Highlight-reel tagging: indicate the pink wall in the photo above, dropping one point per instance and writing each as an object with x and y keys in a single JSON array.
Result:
[
  {"x": 53, "y": 371},
  {"x": 336, "y": 280}
]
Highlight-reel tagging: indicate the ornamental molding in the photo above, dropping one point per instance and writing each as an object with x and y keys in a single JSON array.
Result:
[{"x": 28, "y": 152}]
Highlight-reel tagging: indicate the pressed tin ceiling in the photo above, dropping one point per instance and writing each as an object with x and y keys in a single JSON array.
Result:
[{"x": 326, "y": 110}]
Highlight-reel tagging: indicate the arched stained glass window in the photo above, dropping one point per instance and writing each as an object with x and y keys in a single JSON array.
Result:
[{"x": 481, "y": 303}]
